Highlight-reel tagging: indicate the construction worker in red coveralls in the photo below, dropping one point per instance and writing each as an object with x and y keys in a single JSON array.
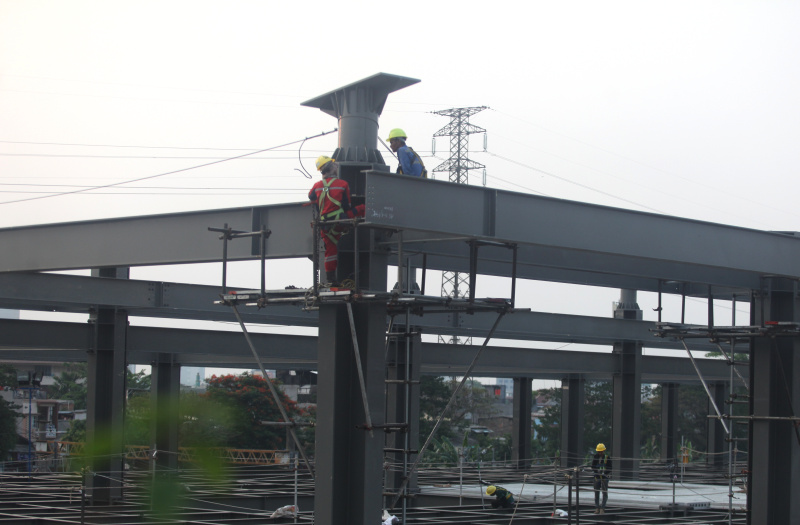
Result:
[
  {"x": 410, "y": 161},
  {"x": 332, "y": 198}
]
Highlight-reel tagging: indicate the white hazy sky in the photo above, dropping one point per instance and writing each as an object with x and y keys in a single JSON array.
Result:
[{"x": 688, "y": 108}]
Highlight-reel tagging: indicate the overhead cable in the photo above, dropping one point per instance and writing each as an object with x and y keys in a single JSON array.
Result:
[{"x": 169, "y": 172}]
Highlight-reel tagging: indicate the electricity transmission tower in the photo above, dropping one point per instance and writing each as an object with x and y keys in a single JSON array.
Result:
[{"x": 455, "y": 284}]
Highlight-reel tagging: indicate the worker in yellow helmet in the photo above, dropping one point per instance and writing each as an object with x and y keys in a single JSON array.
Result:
[
  {"x": 410, "y": 161},
  {"x": 502, "y": 497},
  {"x": 601, "y": 466},
  {"x": 332, "y": 198}
]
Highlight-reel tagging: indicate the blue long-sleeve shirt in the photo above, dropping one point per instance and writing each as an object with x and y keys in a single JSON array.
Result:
[{"x": 410, "y": 163}]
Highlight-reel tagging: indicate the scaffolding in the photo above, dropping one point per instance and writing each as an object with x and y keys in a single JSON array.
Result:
[
  {"x": 403, "y": 300},
  {"x": 730, "y": 335}
]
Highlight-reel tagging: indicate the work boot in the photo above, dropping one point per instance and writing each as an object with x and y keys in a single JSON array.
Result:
[
  {"x": 602, "y": 511},
  {"x": 330, "y": 278},
  {"x": 596, "y": 511}
]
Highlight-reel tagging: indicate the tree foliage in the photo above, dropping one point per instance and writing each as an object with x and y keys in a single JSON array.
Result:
[
  {"x": 8, "y": 427},
  {"x": 249, "y": 402},
  {"x": 71, "y": 384},
  {"x": 8, "y": 412},
  {"x": 8, "y": 376},
  {"x": 597, "y": 418},
  {"x": 691, "y": 424},
  {"x": 472, "y": 401}
]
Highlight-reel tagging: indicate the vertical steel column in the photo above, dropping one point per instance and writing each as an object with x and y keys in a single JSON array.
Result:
[
  {"x": 627, "y": 410},
  {"x": 774, "y": 459},
  {"x": 106, "y": 397},
  {"x": 165, "y": 395},
  {"x": 521, "y": 424},
  {"x": 716, "y": 433},
  {"x": 573, "y": 402},
  {"x": 626, "y": 428},
  {"x": 349, "y": 459},
  {"x": 669, "y": 421}
]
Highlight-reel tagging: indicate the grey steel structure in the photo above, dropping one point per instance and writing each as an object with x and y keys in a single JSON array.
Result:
[{"x": 557, "y": 240}]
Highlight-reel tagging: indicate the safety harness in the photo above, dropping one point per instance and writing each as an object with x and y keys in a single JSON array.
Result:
[
  {"x": 331, "y": 215},
  {"x": 601, "y": 467},
  {"x": 424, "y": 173}
]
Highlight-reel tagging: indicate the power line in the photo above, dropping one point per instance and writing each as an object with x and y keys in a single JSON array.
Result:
[
  {"x": 145, "y": 157},
  {"x": 563, "y": 179},
  {"x": 169, "y": 172},
  {"x": 143, "y": 187},
  {"x": 131, "y": 192},
  {"x": 125, "y": 146}
]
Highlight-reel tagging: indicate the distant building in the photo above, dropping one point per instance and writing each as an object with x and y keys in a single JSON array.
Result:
[
  {"x": 508, "y": 383},
  {"x": 193, "y": 376}
]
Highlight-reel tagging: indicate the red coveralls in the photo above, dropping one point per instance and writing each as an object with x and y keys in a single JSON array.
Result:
[{"x": 332, "y": 196}]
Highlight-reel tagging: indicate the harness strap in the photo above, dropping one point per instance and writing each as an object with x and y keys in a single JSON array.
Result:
[{"x": 325, "y": 193}]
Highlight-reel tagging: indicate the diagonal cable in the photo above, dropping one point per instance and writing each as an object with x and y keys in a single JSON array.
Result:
[
  {"x": 272, "y": 389},
  {"x": 446, "y": 408}
]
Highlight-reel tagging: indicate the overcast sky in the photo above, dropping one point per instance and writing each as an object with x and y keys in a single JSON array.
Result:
[{"x": 688, "y": 108}]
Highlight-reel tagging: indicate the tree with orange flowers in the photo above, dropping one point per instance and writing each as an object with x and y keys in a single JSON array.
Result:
[{"x": 249, "y": 402}]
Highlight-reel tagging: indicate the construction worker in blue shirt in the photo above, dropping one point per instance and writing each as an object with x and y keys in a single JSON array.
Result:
[
  {"x": 410, "y": 161},
  {"x": 601, "y": 466},
  {"x": 503, "y": 498}
]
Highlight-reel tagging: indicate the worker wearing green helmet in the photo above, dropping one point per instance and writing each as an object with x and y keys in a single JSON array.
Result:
[{"x": 410, "y": 161}]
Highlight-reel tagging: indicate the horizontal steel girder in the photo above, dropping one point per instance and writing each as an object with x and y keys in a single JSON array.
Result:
[
  {"x": 559, "y": 240},
  {"x": 177, "y": 238},
  {"x": 63, "y": 342},
  {"x": 583, "y": 239},
  {"x": 70, "y": 293}
]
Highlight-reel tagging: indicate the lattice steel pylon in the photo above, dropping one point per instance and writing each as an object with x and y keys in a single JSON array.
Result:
[{"x": 455, "y": 284}]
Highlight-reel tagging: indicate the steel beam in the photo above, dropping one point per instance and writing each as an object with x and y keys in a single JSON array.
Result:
[
  {"x": 48, "y": 341},
  {"x": 71, "y": 293},
  {"x": 176, "y": 238},
  {"x": 559, "y": 240},
  {"x": 582, "y": 237}
]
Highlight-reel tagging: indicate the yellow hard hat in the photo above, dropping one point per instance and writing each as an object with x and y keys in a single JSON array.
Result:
[
  {"x": 600, "y": 447},
  {"x": 322, "y": 160},
  {"x": 490, "y": 489},
  {"x": 396, "y": 133}
]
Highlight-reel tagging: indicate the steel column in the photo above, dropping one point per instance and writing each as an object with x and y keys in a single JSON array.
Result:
[
  {"x": 521, "y": 424},
  {"x": 669, "y": 421},
  {"x": 627, "y": 407},
  {"x": 165, "y": 394},
  {"x": 349, "y": 458},
  {"x": 573, "y": 403},
  {"x": 106, "y": 398},
  {"x": 717, "y": 448},
  {"x": 774, "y": 460}
]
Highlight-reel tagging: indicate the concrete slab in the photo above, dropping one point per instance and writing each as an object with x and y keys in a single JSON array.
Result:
[{"x": 637, "y": 494}]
